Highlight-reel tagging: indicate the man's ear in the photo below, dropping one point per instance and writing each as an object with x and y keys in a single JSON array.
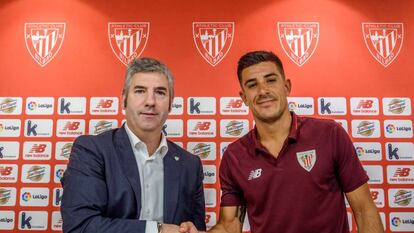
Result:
[
  {"x": 124, "y": 102},
  {"x": 243, "y": 97},
  {"x": 288, "y": 86}
]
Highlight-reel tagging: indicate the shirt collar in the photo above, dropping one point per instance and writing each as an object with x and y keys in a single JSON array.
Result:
[
  {"x": 135, "y": 141},
  {"x": 293, "y": 133}
]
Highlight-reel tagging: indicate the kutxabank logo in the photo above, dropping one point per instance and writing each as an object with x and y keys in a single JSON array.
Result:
[
  {"x": 383, "y": 40},
  {"x": 298, "y": 40},
  {"x": 43, "y": 40},
  {"x": 213, "y": 40},
  {"x": 128, "y": 39}
]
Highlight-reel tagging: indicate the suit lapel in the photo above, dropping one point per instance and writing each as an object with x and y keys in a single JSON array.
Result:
[
  {"x": 128, "y": 163},
  {"x": 172, "y": 171}
]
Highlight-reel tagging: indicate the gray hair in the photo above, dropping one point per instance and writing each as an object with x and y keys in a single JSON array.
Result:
[{"x": 147, "y": 65}]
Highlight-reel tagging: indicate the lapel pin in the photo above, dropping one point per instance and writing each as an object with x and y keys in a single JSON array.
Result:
[{"x": 176, "y": 158}]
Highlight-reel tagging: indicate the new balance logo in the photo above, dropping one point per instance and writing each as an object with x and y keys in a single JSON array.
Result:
[
  {"x": 38, "y": 148},
  {"x": 402, "y": 172},
  {"x": 71, "y": 125},
  {"x": 365, "y": 104},
  {"x": 5, "y": 171},
  {"x": 234, "y": 104},
  {"x": 202, "y": 126},
  {"x": 254, "y": 174},
  {"x": 374, "y": 195},
  {"x": 105, "y": 104}
]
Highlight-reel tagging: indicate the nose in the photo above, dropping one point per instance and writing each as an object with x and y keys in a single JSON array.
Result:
[
  {"x": 150, "y": 99},
  {"x": 262, "y": 88}
]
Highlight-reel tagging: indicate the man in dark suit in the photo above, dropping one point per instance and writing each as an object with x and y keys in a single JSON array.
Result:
[{"x": 132, "y": 179}]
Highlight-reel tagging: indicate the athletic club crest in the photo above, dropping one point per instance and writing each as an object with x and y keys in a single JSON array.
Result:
[
  {"x": 43, "y": 40},
  {"x": 383, "y": 40},
  {"x": 213, "y": 39},
  {"x": 306, "y": 159},
  {"x": 128, "y": 40},
  {"x": 298, "y": 40}
]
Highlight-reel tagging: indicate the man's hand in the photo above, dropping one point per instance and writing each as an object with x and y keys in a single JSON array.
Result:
[
  {"x": 188, "y": 227},
  {"x": 170, "y": 228}
]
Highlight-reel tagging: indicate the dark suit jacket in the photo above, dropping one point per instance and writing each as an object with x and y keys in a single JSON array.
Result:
[{"x": 102, "y": 191}]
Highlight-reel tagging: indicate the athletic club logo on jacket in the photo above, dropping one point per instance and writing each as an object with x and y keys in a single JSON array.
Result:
[{"x": 306, "y": 159}]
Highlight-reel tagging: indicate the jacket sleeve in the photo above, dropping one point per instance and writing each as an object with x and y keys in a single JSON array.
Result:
[
  {"x": 199, "y": 210},
  {"x": 84, "y": 199}
]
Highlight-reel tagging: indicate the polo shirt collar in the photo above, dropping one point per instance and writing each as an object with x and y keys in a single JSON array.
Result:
[{"x": 292, "y": 137}]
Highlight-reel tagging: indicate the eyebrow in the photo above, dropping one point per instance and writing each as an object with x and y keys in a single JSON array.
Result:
[
  {"x": 265, "y": 76},
  {"x": 249, "y": 81},
  {"x": 143, "y": 87},
  {"x": 270, "y": 74},
  {"x": 161, "y": 88}
]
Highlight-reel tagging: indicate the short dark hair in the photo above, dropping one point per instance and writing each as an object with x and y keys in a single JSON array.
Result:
[{"x": 256, "y": 57}]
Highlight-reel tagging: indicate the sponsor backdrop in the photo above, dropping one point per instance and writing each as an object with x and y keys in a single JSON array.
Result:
[{"x": 63, "y": 62}]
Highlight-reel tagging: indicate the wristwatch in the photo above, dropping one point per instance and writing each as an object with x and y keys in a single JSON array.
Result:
[{"x": 159, "y": 227}]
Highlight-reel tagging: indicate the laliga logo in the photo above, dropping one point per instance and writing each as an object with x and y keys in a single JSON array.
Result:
[
  {"x": 396, "y": 221},
  {"x": 213, "y": 40},
  {"x": 43, "y": 40},
  {"x": 292, "y": 106},
  {"x": 298, "y": 40},
  {"x": 1, "y": 127},
  {"x": 36, "y": 173},
  {"x": 59, "y": 173},
  {"x": 8, "y": 105},
  {"x": 128, "y": 40},
  {"x": 26, "y": 196},
  {"x": 366, "y": 128},
  {"x": 396, "y": 106},
  {"x": 383, "y": 40},
  {"x": 360, "y": 151},
  {"x": 32, "y": 105},
  {"x": 390, "y": 128}
]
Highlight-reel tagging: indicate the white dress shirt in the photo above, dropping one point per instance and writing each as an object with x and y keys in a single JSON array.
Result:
[{"x": 151, "y": 176}]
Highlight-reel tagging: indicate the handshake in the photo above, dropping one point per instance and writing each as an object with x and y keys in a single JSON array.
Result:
[{"x": 185, "y": 227}]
